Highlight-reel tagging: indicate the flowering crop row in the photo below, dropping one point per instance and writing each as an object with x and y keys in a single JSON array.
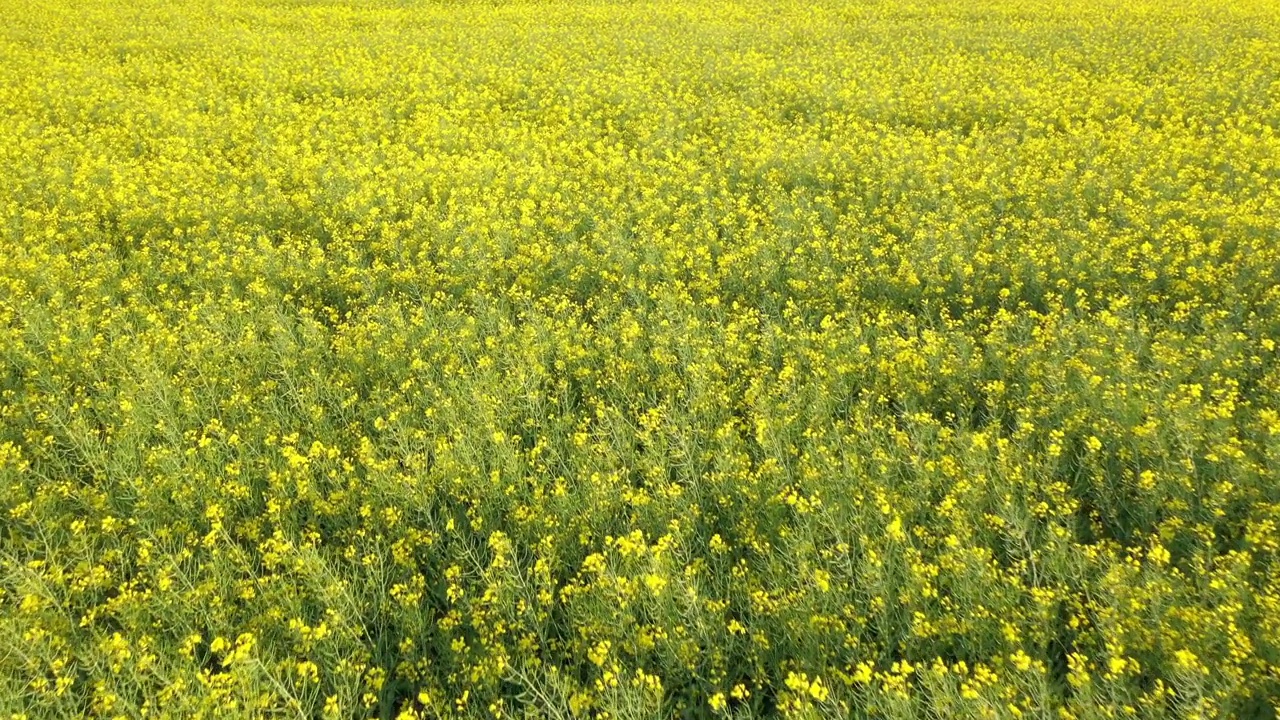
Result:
[{"x": 639, "y": 359}]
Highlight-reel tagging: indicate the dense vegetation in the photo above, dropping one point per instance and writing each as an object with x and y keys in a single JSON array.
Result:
[{"x": 857, "y": 359}]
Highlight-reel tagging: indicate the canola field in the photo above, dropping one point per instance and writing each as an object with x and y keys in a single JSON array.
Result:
[{"x": 673, "y": 359}]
